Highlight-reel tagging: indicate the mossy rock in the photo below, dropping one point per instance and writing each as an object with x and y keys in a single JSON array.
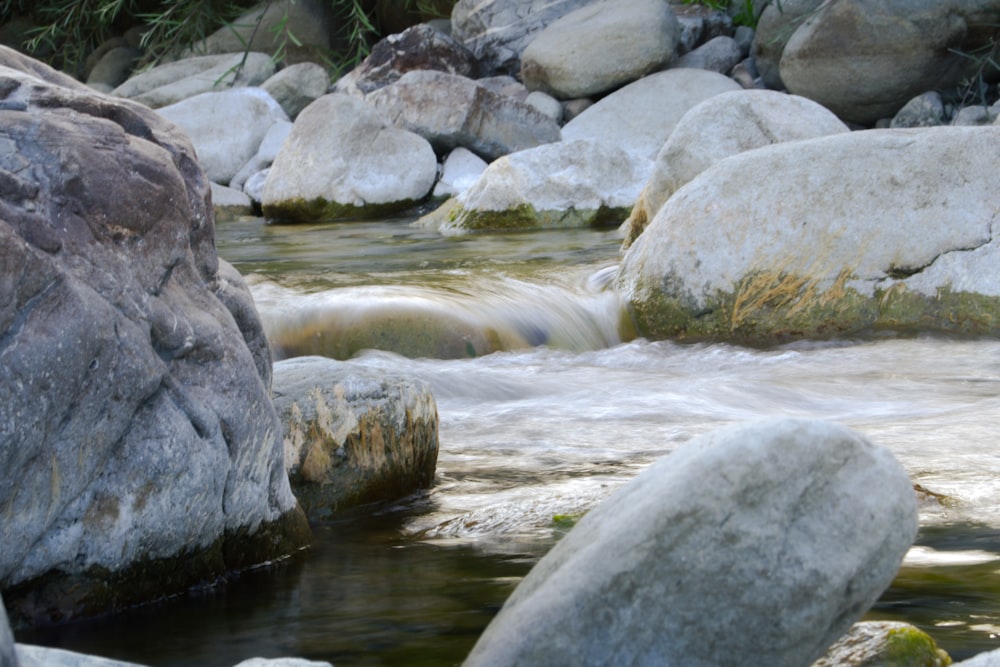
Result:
[
  {"x": 772, "y": 307},
  {"x": 453, "y": 217},
  {"x": 884, "y": 644},
  {"x": 293, "y": 211}
]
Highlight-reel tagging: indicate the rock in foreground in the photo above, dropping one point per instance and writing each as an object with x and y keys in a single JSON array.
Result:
[
  {"x": 140, "y": 450},
  {"x": 763, "y": 540},
  {"x": 351, "y": 436}
]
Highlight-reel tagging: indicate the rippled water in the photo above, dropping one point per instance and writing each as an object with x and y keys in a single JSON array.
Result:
[{"x": 536, "y": 433}]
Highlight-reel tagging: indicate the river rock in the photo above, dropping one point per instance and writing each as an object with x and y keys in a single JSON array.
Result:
[
  {"x": 719, "y": 54},
  {"x": 777, "y": 23},
  {"x": 565, "y": 184},
  {"x": 342, "y": 160},
  {"x": 763, "y": 540},
  {"x": 420, "y": 47},
  {"x": 140, "y": 450},
  {"x": 639, "y": 117},
  {"x": 853, "y": 232},
  {"x": 267, "y": 151},
  {"x": 113, "y": 68},
  {"x": 297, "y": 86},
  {"x": 353, "y": 436},
  {"x": 172, "y": 82},
  {"x": 282, "y": 662},
  {"x": 881, "y": 643},
  {"x": 599, "y": 47},
  {"x": 497, "y": 32},
  {"x": 721, "y": 126},
  {"x": 460, "y": 170},
  {"x": 292, "y": 31},
  {"x": 450, "y": 110},
  {"x": 226, "y": 127},
  {"x": 924, "y": 110},
  {"x": 897, "y": 49},
  {"x": 230, "y": 203}
]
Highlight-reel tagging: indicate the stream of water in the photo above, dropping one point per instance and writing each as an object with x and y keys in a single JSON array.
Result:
[{"x": 564, "y": 410}]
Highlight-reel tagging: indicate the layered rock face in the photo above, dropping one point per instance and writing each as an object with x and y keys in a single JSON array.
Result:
[{"x": 140, "y": 450}]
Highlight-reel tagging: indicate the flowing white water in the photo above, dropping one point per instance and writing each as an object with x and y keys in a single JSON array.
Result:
[{"x": 546, "y": 428}]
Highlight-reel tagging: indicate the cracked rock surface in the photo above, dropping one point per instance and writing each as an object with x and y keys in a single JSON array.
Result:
[
  {"x": 849, "y": 233},
  {"x": 139, "y": 449}
]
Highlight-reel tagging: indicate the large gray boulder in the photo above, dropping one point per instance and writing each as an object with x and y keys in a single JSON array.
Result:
[
  {"x": 226, "y": 127},
  {"x": 853, "y": 232},
  {"x": 565, "y": 184},
  {"x": 721, "y": 126},
  {"x": 451, "y": 110},
  {"x": 865, "y": 60},
  {"x": 639, "y": 117},
  {"x": 343, "y": 160},
  {"x": 140, "y": 450},
  {"x": 600, "y": 47},
  {"x": 497, "y": 32},
  {"x": 353, "y": 436},
  {"x": 765, "y": 540},
  {"x": 172, "y": 82}
]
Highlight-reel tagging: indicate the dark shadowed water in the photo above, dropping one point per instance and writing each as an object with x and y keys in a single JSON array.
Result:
[{"x": 544, "y": 430}]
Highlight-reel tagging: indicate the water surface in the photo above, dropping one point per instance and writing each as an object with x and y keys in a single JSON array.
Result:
[{"x": 544, "y": 430}]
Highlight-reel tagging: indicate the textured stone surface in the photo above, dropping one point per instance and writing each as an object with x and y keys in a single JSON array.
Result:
[
  {"x": 496, "y": 32},
  {"x": 172, "y": 82},
  {"x": 342, "y": 160},
  {"x": 883, "y": 643},
  {"x": 865, "y": 60},
  {"x": 450, "y": 111},
  {"x": 565, "y": 184},
  {"x": 600, "y": 47},
  {"x": 419, "y": 47},
  {"x": 639, "y": 117},
  {"x": 7, "y": 656},
  {"x": 853, "y": 232},
  {"x": 139, "y": 447},
  {"x": 226, "y": 127},
  {"x": 763, "y": 540},
  {"x": 721, "y": 126},
  {"x": 297, "y": 86},
  {"x": 353, "y": 436}
]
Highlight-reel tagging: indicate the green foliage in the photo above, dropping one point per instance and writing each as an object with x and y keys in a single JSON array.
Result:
[
  {"x": 975, "y": 88},
  {"x": 68, "y": 32}
]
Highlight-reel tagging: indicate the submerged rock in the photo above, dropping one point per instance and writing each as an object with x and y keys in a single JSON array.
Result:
[
  {"x": 139, "y": 448},
  {"x": 352, "y": 436},
  {"x": 850, "y": 233},
  {"x": 763, "y": 540}
]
